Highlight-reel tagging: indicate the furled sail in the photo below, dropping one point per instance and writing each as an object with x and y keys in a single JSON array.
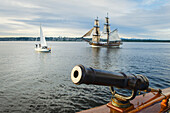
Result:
[
  {"x": 42, "y": 38},
  {"x": 88, "y": 33},
  {"x": 114, "y": 36}
]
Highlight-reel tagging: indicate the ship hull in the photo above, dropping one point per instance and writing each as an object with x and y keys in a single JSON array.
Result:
[{"x": 114, "y": 45}]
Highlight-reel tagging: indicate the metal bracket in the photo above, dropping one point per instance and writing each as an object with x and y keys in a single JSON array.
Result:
[{"x": 122, "y": 97}]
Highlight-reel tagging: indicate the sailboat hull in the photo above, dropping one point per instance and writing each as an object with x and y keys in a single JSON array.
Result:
[{"x": 42, "y": 50}]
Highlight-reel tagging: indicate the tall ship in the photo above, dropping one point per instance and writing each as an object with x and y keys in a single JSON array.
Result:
[
  {"x": 113, "y": 39},
  {"x": 42, "y": 46}
]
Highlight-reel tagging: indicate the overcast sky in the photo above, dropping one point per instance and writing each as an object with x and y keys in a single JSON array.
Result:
[{"x": 73, "y": 18}]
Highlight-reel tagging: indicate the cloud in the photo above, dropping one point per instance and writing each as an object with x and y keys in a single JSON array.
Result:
[
  {"x": 146, "y": 23},
  {"x": 134, "y": 18}
]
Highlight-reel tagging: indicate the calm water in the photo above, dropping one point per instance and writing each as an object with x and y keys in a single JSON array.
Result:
[{"x": 40, "y": 82}]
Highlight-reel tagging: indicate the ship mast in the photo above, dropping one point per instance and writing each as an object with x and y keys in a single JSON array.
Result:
[
  {"x": 96, "y": 33},
  {"x": 107, "y": 26}
]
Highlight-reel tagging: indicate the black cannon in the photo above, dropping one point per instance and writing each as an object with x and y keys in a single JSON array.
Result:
[{"x": 84, "y": 75}]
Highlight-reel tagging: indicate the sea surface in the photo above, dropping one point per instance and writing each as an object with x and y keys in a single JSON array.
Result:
[{"x": 33, "y": 82}]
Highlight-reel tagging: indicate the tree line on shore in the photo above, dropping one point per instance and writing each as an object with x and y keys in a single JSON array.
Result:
[{"x": 74, "y": 39}]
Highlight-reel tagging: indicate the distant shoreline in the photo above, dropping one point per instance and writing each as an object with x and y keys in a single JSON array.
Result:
[{"x": 77, "y": 39}]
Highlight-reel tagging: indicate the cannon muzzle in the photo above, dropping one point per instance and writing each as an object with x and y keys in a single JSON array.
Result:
[{"x": 84, "y": 75}]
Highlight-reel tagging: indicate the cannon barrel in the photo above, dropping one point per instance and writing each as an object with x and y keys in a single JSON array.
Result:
[{"x": 84, "y": 75}]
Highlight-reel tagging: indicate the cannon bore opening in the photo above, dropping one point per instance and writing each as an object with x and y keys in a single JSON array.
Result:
[{"x": 76, "y": 73}]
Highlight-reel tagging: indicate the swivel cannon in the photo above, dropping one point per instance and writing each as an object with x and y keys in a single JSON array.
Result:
[{"x": 83, "y": 75}]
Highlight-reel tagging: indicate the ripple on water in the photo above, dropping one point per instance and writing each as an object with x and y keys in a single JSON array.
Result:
[{"x": 40, "y": 83}]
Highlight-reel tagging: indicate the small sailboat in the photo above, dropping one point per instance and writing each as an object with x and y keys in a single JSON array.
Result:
[
  {"x": 113, "y": 39},
  {"x": 42, "y": 46}
]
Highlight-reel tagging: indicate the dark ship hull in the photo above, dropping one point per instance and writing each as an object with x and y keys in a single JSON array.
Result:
[{"x": 111, "y": 44}]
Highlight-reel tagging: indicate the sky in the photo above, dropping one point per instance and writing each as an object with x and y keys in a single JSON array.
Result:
[{"x": 143, "y": 19}]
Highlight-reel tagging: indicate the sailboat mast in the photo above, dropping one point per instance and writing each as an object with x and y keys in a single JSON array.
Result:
[
  {"x": 96, "y": 33},
  {"x": 107, "y": 27}
]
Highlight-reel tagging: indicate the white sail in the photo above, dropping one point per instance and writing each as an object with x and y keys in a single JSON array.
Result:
[
  {"x": 42, "y": 38},
  {"x": 114, "y": 36},
  {"x": 96, "y": 32},
  {"x": 103, "y": 35},
  {"x": 96, "y": 22},
  {"x": 106, "y": 28}
]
